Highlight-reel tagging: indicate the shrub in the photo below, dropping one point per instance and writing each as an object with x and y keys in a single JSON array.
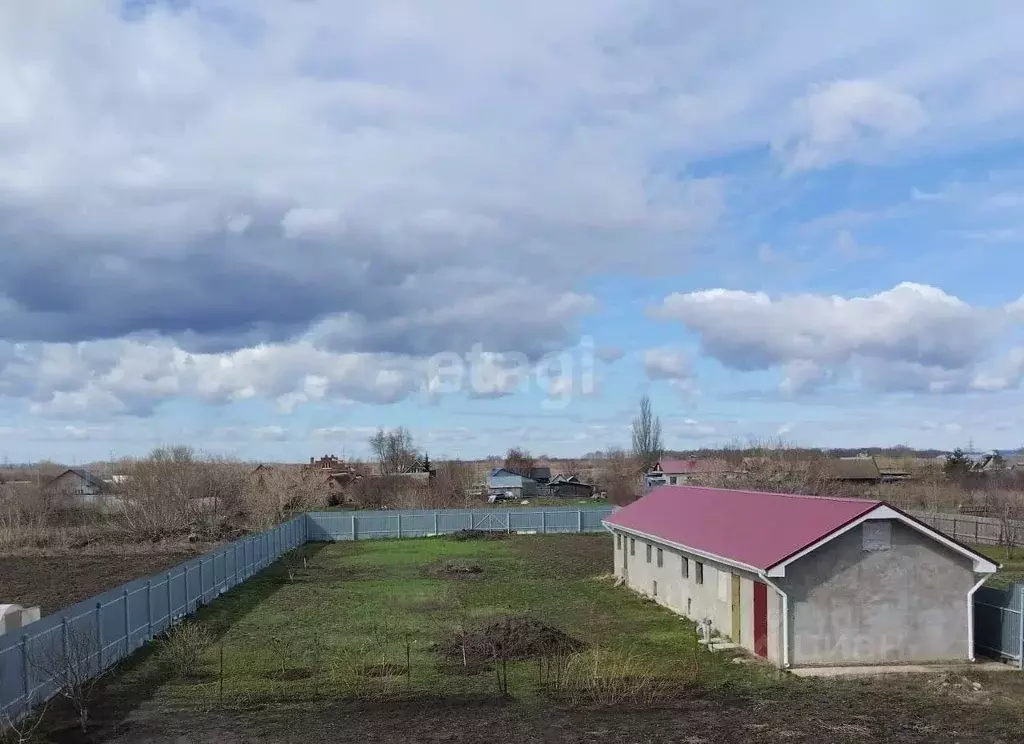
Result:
[
  {"x": 184, "y": 647},
  {"x": 601, "y": 678}
]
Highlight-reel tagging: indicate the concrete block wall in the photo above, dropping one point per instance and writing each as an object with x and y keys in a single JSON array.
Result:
[
  {"x": 711, "y": 600},
  {"x": 907, "y": 603}
]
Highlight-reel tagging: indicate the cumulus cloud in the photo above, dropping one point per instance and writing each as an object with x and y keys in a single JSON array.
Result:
[
  {"x": 665, "y": 363},
  {"x": 911, "y": 337}
]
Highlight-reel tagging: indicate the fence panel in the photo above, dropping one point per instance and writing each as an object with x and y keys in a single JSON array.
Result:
[
  {"x": 972, "y": 529},
  {"x": 98, "y": 632},
  {"x": 999, "y": 622},
  {"x": 364, "y": 525}
]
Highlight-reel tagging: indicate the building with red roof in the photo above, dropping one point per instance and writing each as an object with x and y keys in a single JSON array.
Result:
[{"x": 803, "y": 580}]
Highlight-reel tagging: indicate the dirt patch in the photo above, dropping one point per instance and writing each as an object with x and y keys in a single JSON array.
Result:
[
  {"x": 456, "y": 569},
  {"x": 513, "y": 638},
  {"x": 55, "y": 582},
  {"x": 565, "y": 557},
  {"x": 478, "y": 535}
]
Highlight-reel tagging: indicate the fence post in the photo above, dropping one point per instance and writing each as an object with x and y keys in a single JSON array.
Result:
[
  {"x": 202, "y": 585},
  {"x": 975, "y": 531},
  {"x": 353, "y": 526},
  {"x": 26, "y": 672},
  {"x": 543, "y": 522},
  {"x": 508, "y": 522},
  {"x": 149, "y": 609},
  {"x": 1020, "y": 625},
  {"x": 99, "y": 637},
  {"x": 127, "y": 625},
  {"x": 399, "y": 524},
  {"x": 188, "y": 595},
  {"x": 234, "y": 558},
  {"x": 170, "y": 602},
  {"x": 579, "y": 521},
  {"x": 954, "y": 529},
  {"x": 435, "y": 522}
]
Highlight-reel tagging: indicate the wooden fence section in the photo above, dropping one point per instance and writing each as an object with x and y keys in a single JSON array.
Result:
[{"x": 973, "y": 530}]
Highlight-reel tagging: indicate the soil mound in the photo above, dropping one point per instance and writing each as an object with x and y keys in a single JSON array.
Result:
[
  {"x": 514, "y": 638},
  {"x": 477, "y": 535}
]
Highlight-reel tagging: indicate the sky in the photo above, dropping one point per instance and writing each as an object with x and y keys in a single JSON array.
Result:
[{"x": 266, "y": 227}]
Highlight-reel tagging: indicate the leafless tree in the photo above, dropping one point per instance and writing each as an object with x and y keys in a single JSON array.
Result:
[
  {"x": 619, "y": 476},
  {"x": 394, "y": 451},
  {"x": 1008, "y": 507},
  {"x": 274, "y": 494},
  {"x": 451, "y": 485},
  {"x": 25, "y": 728},
  {"x": 72, "y": 665},
  {"x": 647, "y": 444},
  {"x": 519, "y": 461},
  {"x": 174, "y": 491}
]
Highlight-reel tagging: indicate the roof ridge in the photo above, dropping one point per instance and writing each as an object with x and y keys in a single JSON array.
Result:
[{"x": 851, "y": 499}]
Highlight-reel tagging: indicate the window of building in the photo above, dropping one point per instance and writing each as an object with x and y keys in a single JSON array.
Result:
[
  {"x": 686, "y": 567},
  {"x": 661, "y": 558},
  {"x": 655, "y": 588},
  {"x": 672, "y": 479},
  {"x": 700, "y": 571},
  {"x": 632, "y": 546},
  {"x": 648, "y": 553},
  {"x": 618, "y": 541}
]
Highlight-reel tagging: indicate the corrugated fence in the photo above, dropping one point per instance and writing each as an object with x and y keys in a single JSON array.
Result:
[{"x": 83, "y": 640}]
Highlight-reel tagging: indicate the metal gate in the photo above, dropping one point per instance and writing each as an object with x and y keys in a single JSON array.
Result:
[
  {"x": 999, "y": 622},
  {"x": 493, "y": 521}
]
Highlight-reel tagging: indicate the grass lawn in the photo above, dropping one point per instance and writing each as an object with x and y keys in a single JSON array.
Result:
[
  {"x": 303, "y": 643},
  {"x": 352, "y": 610},
  {"x": 1012, "y": 566}
]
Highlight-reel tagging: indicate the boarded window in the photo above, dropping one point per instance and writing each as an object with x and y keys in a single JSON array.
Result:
[
  {"x": 648, "y": 553},
  {"x": 686, "y": 567},
  {"x": 661, "y": 558},
  {"x": 700, "y": 571},
  {"x": 877, "y": 535}
]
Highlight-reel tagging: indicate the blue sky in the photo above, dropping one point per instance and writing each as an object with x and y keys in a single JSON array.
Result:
[{"x": 266, "y": 228}]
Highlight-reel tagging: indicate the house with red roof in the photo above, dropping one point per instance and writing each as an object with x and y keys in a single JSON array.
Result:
[{"x": 803, "y": 580}]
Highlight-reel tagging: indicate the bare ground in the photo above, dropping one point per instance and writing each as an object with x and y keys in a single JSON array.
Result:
[
  {"x": 55, "y": 582},
  {"x": 865, "y": 711}
]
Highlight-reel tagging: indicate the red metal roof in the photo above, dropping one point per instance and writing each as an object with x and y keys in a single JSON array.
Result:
[{"x": 749, "y": 527}]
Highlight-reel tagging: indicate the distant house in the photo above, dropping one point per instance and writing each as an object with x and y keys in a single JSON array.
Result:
[
  {"x": 670, "y": 472},
  {"x": 74, "y": 482},
  {"x": 853, "y": 470},
  {"x": 563, "y": 486},
  {"x": 802, "y": 580},
  {"x": 505, "y": 484}
]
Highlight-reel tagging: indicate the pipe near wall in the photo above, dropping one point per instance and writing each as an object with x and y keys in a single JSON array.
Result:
[{"x": 785, "y": 619}]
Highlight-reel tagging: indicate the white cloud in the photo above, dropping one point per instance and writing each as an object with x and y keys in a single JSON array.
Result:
[
  {"x": 665, "y": 363},
  {"x": 839, "y": 120},
  {"x": 910, "y": 337}
]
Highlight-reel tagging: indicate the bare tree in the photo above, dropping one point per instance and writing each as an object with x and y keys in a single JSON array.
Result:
[
  {"x": 451, "y": 486},
  {"x": 394, "y": 451},
  {"x": 73, "y": 667},
  {"x": 619, "y": 476},
  {"x": 519, "y": 461},
  {"x": 647, "y": 444}
]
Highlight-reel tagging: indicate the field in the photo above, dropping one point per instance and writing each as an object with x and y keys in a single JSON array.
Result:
[
  {"x": 56, "y": 581},
  {"x": 1012, "y": 566},
  {"x": 379, "y": 641}
]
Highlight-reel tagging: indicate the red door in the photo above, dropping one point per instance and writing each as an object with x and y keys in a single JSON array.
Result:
[{"x": 760, "y": 619}]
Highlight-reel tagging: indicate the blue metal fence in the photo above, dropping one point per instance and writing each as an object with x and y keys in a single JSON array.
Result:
[
  {"x": 96, "y": 633},
  {"x": 362, "y": 525},
  {"x": 999, "y": 622}
]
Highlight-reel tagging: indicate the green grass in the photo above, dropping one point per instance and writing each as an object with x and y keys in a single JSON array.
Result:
[
  {"x": 1011, "y": 566},
  {"x": 359, "y": 604}
]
